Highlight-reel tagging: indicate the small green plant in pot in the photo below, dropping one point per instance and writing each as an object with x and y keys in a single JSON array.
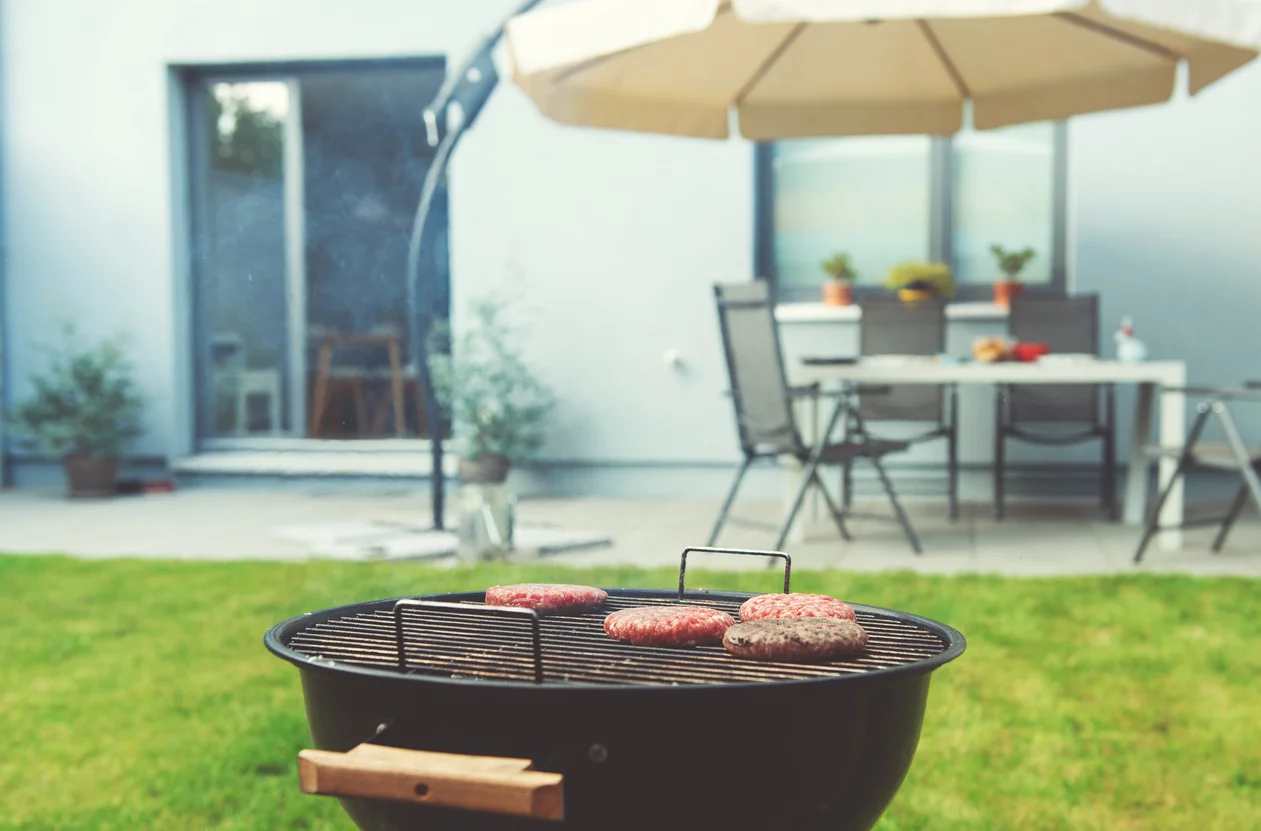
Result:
[
  {"x": 838, "y": 289},
  {"x": 498, "y": 407},
  {"x": 84, "y": 411},
  {"x": 916, "y": 281},
  {"x": 1010, "y": 263}
]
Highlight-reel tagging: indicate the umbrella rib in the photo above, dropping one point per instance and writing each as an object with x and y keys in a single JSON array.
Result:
[
  {"x": 1120, "y": 36},
  {"x": 947, "y": 64},
  {"x": 766, "y": 65}
]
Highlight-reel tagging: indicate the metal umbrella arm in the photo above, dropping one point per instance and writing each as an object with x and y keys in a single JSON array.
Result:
[{"x": 448, "y": 116}]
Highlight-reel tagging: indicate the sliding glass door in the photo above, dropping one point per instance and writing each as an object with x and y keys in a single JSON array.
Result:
[{"x": 303, "y": 188}]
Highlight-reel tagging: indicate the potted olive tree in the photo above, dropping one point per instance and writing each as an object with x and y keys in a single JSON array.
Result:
[
  {"x": 498, "y": 407},
  {"x": 917, "y": 281},
  {"x": 84, "y": 411},
  {"x": 838, "y": 289},
  {"x": 1011, "y": 263}
]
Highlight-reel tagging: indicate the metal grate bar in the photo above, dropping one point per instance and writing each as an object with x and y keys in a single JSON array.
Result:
[{"x": 459, "y": 640}]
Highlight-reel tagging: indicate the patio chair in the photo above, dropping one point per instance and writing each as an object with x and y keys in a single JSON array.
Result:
[
  {"x": 1232, "y": 455},
  {"x": 765, "y": 417},
  {"x": 1057, "y": 414},
  {"x": 891, "y": 327}
]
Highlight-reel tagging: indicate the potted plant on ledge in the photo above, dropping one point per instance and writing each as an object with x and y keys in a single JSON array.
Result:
[
  {"x": 1011, "y": 263},
  {"x": 917, "y": 281},
  {"x": 838, "y": 289},
  {"x": 84, "y": 412},
  {"x": 498, "y": 407}
]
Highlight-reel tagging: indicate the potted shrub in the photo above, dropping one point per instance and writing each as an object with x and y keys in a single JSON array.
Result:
[
  {"x": 84, "y": 411},
  {"x": 916, "y": 281},
  {"x": 838, "y": 289},
  {"x": 1011, "y": 263},
  {"x": 498, "y": 408}
]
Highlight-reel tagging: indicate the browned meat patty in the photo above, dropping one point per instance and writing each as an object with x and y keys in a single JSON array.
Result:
[
  {"x": 768, "y": 606},
  {"x": 668, "y": 625},
  {"x": 547, "y": 597},
  {"x": 801, "y": 639}
]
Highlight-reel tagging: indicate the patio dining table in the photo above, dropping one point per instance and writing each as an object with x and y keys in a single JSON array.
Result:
[{"x": 1158, "y": 382}]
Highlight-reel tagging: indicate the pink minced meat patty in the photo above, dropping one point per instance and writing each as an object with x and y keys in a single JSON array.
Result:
[
  {"x": 547, "y": 597},
  {"x": 668, "y": 625},
  {"x": 803, "y": 639},
  {"x": 773, "y": 606}
]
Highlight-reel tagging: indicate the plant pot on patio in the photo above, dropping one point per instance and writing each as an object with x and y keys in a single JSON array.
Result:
[
  {"x": 486, "y": 469},
  {"x": 90, "y": 478}
]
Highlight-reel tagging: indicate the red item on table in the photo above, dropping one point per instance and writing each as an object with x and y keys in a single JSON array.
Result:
[{"x": 1029, "y": 351}]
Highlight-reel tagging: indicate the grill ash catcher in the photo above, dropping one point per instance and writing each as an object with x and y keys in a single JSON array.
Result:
[{"x": 439, "y": 712}]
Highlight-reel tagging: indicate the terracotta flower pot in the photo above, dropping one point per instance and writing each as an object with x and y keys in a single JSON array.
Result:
[
  {"x": 838, "y": 293},
  {"x": 1007, "y": 290},
  {"x": 487, "y": 469},
  {"x": 88, "y": 478}
]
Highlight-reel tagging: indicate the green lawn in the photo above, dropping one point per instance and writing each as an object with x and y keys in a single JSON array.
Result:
[{"x": 137, "y": 695}]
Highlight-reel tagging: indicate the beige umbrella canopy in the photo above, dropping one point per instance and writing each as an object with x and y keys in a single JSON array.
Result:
[{"x": 800, "y": 68}]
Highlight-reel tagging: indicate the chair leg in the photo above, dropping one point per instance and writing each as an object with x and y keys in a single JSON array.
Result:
[
  {"x": 1236, "y": 508},
  {"x": 897, "y": 506},
  {"x": 836, "y": 514},
  {"x": 808, "y": 477},
  {"x": 1110, "y": 502},
  {"x": 1000, "y": 460},
  {"x": 1184, "y": 460},
  {"x": 952, "y": 458},
  {"x": 731, "y": 497},
  {"x": 847, "y": 485}
]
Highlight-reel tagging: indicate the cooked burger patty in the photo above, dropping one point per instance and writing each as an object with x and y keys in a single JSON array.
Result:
[
  {"x": 547, "y": 597},
  {"x": 769, "y": 606},
  {"x": 668, "y": 625},
  {"x": 801, "y": 639}
]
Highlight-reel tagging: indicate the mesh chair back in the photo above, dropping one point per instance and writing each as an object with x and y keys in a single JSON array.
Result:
[
  {"x": 1068, "y": 325},
  {"x": 892, "y": 327},
  {"x": 755, "y": 367}
]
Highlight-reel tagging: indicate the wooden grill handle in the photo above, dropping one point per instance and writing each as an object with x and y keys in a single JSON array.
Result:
[{"x": 475, "y": 783}]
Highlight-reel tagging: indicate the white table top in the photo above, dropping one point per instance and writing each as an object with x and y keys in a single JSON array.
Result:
[{"x": 1167, "y": 373}]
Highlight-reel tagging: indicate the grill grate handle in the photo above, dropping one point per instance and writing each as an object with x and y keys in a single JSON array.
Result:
[
  {"x": 788, "y": 562},
  {"x": 536, "y": 640}
]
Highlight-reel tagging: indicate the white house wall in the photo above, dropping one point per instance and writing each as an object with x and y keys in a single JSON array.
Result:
[{"x": 611, "y": 241}]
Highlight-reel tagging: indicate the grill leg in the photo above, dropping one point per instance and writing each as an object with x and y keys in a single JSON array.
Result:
[
  {"x": 731, "y": 497},
  {"x": 847, "y": 485},
  {"x": 897, "y": 506},
  {"x": 1236, "y": 508}
]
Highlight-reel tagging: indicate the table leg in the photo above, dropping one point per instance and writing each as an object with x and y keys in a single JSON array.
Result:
[
  {"x": 1136, "y": 480},
  {"x": 1173, "y": 432}
]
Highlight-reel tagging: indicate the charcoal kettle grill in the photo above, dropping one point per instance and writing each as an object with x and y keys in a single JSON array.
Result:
[{"x": 439, "y": 712}]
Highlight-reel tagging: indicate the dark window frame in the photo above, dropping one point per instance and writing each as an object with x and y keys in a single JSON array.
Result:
[{"x": 940, "y": 232}]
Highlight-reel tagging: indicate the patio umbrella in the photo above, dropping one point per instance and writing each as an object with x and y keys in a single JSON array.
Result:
[{"x": 801, "y": 68}]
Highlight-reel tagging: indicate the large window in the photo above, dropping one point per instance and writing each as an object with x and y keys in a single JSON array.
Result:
[{"x": 888, "y": 199}]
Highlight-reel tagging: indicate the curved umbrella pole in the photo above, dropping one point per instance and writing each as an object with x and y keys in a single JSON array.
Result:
[{"x": 464, "y": 93}]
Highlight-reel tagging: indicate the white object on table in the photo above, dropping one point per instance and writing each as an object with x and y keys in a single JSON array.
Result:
[{"x": 1167, "y": 377}]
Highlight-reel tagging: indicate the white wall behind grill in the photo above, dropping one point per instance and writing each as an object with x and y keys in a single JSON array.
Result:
[{"x": 614, "y": 240}]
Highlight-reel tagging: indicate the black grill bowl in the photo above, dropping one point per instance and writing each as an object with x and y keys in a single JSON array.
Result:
[{"x": 824, "y": 753}]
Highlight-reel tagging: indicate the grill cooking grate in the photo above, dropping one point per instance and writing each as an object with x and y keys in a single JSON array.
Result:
[{"x": 454, "y": 643}]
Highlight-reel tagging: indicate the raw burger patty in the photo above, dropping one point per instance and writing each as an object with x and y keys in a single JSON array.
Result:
[
  {"x": 668, "y": 625},
  {"x": 795, "y": 639},
  {"x": 547, "y": 597},
  {"x": 769, "y": 606}
]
